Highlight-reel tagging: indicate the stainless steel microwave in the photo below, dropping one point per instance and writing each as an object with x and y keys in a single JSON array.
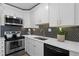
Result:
[{"x": 11, "y": 20}]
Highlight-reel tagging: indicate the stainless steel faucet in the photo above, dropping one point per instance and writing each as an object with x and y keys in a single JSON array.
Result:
[{"x": 42, "y": 31}]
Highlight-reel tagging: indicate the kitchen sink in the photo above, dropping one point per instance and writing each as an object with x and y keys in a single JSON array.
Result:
[{"x": 40, "y": 38}]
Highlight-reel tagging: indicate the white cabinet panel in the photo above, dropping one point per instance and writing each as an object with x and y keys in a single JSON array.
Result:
[
  {"x": 43, "y": 13},
  {"x": 39, "y": 15},
  {"x": 26, "y": 20},
  {"x": 2, "y": 47},
  {"x": 76, "y": 13},
  {"x": 1, "y": 15},
  {"x": 26, "y": 44},
  {"x": 39, "y": 48},
  {"x": 33, "y": 47},
  {"x": 53, "y": 14},
  {"x": 74, "y": 53},
  {"x": 67, "y": 13},
  {"x": 33, "y": 19},
  {"x": 61, "y": 14}
]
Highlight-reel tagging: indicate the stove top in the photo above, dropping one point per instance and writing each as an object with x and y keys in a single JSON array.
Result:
[{"x": 14, "y": 38}]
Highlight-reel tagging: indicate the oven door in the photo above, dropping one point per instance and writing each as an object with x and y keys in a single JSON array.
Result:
[{"x": 15, "y": 45}]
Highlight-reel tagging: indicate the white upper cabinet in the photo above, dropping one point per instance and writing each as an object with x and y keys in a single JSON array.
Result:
[
  {"x": 26, "y": 20},
  {"x": 53, "y": 14},
  {"x": 56, "y": 14},
  {"x": 1, "y": 15},
  {"x": 67, "y": 14},
  {"x": 61, "y": 14},
  {"x": 33, "y": 19},
  {"x": 76, "y": 14},
  {"x": 40, "y": 14},
  {"x": 43, "y": 13},
  {"x": 12, "y": 11}
]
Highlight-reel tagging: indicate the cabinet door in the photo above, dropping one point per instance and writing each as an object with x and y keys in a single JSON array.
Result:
[
  {"x": 2, "y": 18},
  {"x": 32, "y": 47},
  {"x": 40, "y": 13},
  {"x": 26, "y": 20},
  {"x": 66, "y": 13},
  {"x": 39, "y": 48},
  {"x": 61, "y": 14},
  {"x": 26, "y": 44},
  {"x": 35, "y": 48},
  {"x": 76, "y": 14},
  {"x": 53, "y": 14},
  {"x": 33, "y": 19},
  {"x": 29, "y": 46},
  {"x": 2, "y": 47},
  {"x": 43, "y": 10},
  {"x": 72, "y": 53}
]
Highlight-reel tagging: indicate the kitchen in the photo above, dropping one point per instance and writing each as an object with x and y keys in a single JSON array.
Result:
[{"x": 39, "y": 29}]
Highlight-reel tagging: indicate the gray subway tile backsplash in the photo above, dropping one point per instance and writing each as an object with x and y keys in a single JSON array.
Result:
[{"x": 72, "y": 32}]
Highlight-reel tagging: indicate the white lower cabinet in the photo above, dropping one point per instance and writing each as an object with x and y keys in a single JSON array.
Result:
[
  {"x": 72, "y": 53},
  {"x": 27, "y": 45},
  {"x": 36, "y": 48},
  {"x": 2, "y": 48},
  {"x": 33, "y": 47}
]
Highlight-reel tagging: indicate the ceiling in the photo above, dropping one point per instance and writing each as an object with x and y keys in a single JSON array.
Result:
[{"x": 23, "y": 6}]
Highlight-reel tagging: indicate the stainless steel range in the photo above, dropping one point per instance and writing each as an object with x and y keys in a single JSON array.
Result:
[{"x": 14, "y": 42}]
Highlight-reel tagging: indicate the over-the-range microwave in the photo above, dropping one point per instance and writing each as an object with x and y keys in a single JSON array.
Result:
[{"x": 11, "y": 20}]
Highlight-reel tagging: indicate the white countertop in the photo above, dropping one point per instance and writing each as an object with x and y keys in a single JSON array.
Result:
[{"x": 68, "y": 45}]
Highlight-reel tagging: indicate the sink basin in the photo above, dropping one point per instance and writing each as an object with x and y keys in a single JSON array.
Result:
[{"x": 40, "y": 38}]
